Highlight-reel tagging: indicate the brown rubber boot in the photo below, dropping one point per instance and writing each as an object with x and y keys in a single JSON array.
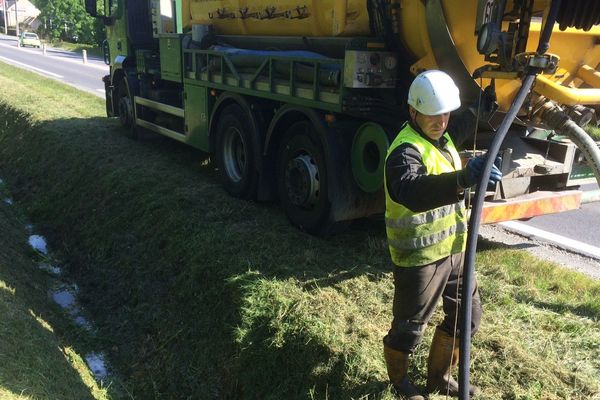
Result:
[
  {"x": 397, "y": 367},
  {"x": 442, "y": 360}
]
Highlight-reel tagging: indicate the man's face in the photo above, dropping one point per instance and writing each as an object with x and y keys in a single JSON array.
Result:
[{"x": 433, "y": 126}]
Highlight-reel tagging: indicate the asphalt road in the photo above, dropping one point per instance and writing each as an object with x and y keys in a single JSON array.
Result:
[
  {"x": 57, "y": 64},
  {"x": 575, "y": 230}
]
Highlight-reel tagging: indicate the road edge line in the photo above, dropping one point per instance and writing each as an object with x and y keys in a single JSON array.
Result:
[{"x": 557, "y": 240}]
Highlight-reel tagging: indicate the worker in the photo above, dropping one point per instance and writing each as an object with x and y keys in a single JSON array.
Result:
[{"x": 426, "y": 226}]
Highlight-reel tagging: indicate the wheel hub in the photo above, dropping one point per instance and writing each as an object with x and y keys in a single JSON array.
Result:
[
  {"x": 125, "y": 111},
  {"x": 302, "y": 181},
  {"x": 234, "y": 155}
]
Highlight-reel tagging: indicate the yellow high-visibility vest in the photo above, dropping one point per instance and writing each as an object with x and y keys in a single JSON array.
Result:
[{"x": 421, "y": 238}]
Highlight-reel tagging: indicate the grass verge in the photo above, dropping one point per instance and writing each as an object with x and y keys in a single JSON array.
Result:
[
  {"x": 199, "y": 295},
  {"x": 594, "y": 132},
  {"x": 41, "y": 351}
]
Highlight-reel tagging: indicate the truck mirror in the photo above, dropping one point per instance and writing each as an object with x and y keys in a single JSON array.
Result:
[
  {"x": 90, "y": 7},
  {"x": 106, "y": 52}
]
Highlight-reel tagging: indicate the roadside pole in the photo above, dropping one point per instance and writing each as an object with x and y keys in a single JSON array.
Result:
[
  {"x": 3, "y": 2},
  {"x": 17, "y": 19}
]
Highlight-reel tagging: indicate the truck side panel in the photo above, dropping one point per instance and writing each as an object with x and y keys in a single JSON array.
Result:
[{"x": 198, "y": 104}]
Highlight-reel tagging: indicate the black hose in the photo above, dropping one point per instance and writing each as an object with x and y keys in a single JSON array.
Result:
[
  {"x": 473, "y": 232},
  {"x": 475, "y": 221},
  {"x": 581, "y": 14},
  {"x": 544, "y": 42}
]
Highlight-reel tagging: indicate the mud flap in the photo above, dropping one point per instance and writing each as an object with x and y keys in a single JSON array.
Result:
[
  {"x": 348, "y": 201},
  {"x": 108, "y": 90}
]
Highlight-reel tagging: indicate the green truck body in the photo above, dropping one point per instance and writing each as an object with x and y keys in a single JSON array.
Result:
[{"x": 307, "y": 128}]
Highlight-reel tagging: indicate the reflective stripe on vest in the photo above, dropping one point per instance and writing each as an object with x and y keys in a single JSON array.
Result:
[
  {"x": 424, "y": 241},
  {"x": 426, "y": 217},
  {"x": 424, "y": 237}
]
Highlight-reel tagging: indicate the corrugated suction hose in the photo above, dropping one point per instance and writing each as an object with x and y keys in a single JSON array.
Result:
[
  {"x": 580, "y": 14},
  {"x": 557, "y": 119}
]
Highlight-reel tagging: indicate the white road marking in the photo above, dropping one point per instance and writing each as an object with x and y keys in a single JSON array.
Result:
[
  {"x": 79, "y": 61},
  {"x": 558, "y": 240},
  {"x": 41, "y": 71},
  {"x": 51, "y": 50}
]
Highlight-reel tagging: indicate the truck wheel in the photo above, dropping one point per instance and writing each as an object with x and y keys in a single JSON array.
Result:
[
  {"x": 126, "y": 112},
  {"x": 302, "y": 179},
  {"x": 125, "y": 105},
  {"x": 236, "y": 153}
]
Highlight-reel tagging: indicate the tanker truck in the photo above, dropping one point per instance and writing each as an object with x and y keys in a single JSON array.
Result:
[{"x": 298, "y": 101}]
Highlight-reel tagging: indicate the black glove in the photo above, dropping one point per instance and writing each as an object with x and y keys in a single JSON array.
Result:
[{"x": 470, "y": 175}]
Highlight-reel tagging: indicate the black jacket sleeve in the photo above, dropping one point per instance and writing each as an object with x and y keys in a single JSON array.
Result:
[{"x": 408, "y": 183}]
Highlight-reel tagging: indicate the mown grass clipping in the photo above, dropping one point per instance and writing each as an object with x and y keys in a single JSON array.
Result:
[{"x": 202, "y": 296}]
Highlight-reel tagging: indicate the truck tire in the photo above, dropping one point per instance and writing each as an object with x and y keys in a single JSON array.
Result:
[
  {"x": 302, "y": 179},
  {"x": 125, "y": 105},
  {"x": 236, "y": 153},
  {"x": 126, "y": 111}
]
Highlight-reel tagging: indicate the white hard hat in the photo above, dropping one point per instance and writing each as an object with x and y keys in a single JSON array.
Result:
[{"x": 433, "y": 92}]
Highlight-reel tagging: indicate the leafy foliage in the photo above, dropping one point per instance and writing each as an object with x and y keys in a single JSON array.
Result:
[{"x": 67, "y": 20}]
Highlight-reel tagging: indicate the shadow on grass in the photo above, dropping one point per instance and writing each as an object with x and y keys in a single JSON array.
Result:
[
  {"x": 38, "y": 347},
  {"x": 485, "y": 244},
  {"x": 156, "y": 246},
  {"x": 32, "y": 361},
  {"x": 586, "y": 311}
]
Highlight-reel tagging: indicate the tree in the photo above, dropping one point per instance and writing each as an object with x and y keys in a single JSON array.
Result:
[{"x": 67, "y": 20}]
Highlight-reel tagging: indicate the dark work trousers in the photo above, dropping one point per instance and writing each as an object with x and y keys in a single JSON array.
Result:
[{"x": 417, "y": 291}]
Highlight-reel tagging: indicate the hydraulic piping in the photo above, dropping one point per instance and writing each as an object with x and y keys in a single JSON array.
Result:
[
  {"x": 475, "y": 221},
  {"x": 566, "y": 95},
  {"x": 553, "y": 116}
]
